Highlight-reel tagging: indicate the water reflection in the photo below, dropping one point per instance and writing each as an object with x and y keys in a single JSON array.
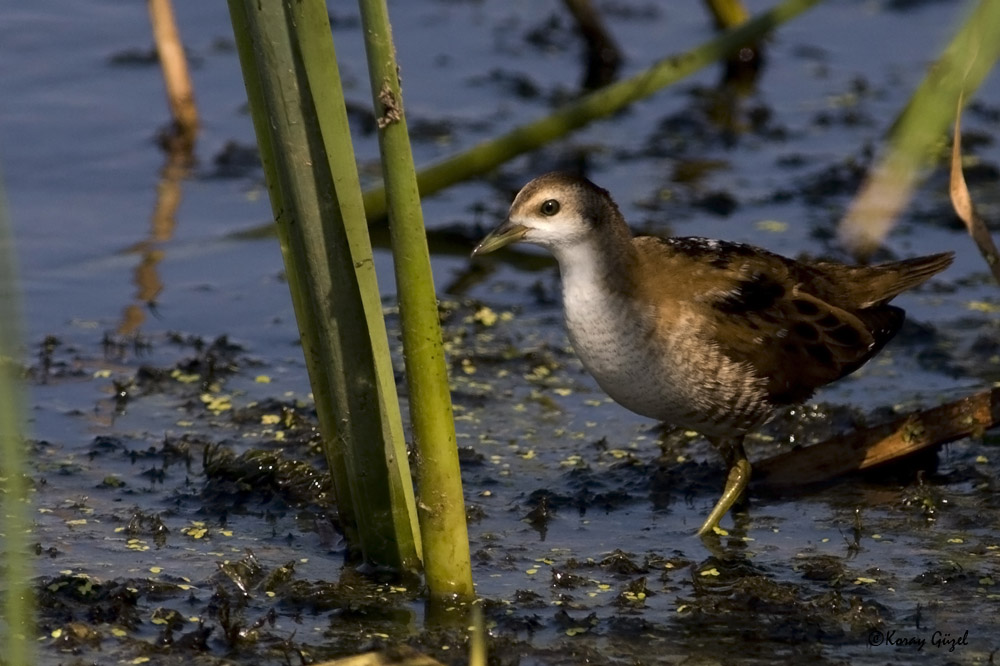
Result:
[{"x": 146, "y": 276}]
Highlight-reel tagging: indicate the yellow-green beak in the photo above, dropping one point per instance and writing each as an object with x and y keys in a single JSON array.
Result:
[{"x": 508, "y": 232}]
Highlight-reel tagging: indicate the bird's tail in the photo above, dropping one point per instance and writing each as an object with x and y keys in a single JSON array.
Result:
[{"x": 883, "y": 282}]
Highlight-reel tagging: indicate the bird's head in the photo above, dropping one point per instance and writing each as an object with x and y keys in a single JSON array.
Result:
[{"x": 556, "y": 211}]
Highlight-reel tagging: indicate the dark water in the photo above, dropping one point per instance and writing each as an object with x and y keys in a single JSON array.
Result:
[{"x": 133, "y": 520}]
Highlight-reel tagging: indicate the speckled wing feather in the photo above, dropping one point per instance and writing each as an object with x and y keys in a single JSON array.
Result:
[
  {"x": 799, "y": 342},
  {"x": 798, "y": 326}
]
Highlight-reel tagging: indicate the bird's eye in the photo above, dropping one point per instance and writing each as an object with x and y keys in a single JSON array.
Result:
[{"x": 550, "y": 207}]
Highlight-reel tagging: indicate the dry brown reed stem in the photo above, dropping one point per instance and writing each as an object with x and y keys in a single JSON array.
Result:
[
  {"x": 180, "y": 91},
  {"x": 964, "y": 207}
]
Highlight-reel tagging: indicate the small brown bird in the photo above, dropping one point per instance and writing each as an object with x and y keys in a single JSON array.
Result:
[{"x": 704, "y": 334}]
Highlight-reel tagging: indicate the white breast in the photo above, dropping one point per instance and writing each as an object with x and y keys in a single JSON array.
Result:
[
  {"x": 641, "y": 365},
  {"x": 611, "y": 337}
]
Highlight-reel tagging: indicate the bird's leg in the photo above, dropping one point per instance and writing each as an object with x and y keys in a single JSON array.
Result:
[{"x": 736, "y": 482}]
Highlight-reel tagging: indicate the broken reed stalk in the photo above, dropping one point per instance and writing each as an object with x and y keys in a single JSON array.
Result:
[
  {"x": 601, "y": 103},
  {"x": 18, "y": 631},
  {"x": 958, "y": 72},
  {"x": 176, "y": 76},
  {"x": 441, "y": 509},
  {"x": 862, "y": 449},
  {"x": 293, "y": 85},
  {"x": 961, "y": 200}
]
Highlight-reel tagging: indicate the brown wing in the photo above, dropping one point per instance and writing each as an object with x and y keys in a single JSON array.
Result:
[
  {"x": 759, "y": 310},
  {"x": 799, "y": 342}
]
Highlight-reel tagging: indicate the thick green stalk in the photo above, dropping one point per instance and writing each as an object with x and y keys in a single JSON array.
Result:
[
  {"x": 293, "y": 273},
  {"x": 296, "y": 99},
  {"x": 921, "y": 128},
  {"x": 442, "y": 506},
  {"x": 15, "y": 516},
  {"x": 598, "y": 104}
]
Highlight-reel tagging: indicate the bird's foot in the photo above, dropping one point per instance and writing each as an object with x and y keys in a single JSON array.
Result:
[{"x": 736, "y": 483}]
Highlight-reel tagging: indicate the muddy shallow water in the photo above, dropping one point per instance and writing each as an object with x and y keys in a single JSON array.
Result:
[{"x": 181, "y": 510}]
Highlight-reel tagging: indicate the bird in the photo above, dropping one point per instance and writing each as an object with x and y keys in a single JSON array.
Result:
[{"x": 708, "y": 335}]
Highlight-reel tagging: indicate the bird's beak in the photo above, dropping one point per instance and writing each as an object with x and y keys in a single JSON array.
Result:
[{"x": 508, "y": 232}]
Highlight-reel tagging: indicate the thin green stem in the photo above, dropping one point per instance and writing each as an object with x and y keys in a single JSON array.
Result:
[{"x": 441, "y": 507}]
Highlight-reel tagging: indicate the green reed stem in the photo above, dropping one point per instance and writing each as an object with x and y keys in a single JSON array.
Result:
[
  {"x": 441, "y": 507},
  {"x": 296, "y": 100},
  {"x": 18, "y": 637}
]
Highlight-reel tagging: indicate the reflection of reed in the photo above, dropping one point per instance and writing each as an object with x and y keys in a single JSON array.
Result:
[
  {"x": 146, "y": 278},
  {"x": 179, "y": 143}
]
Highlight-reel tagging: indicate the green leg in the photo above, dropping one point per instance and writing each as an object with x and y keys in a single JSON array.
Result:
[{"x": 736, "y": 483}]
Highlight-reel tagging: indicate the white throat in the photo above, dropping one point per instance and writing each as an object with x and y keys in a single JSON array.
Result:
[
  {"x": 599, "y": 317},
  {"x": 584, "y": 269}
]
